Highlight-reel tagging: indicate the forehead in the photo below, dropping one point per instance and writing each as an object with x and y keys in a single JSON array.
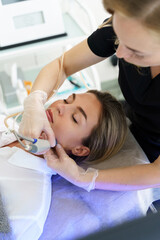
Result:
[
  {"x": 87, "y": 99},
  {"x": 90, "y": 104},
  {"x": 133, "y": 34}
]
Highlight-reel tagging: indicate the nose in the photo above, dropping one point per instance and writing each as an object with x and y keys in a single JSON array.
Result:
[
  {"x": 123, "y": 52},
  {"x": 60, "y": 108},
  {"x": 64, "y": 108}
]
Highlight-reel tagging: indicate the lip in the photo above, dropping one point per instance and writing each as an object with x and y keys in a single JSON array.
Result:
[{"x": 49, "y": 115}]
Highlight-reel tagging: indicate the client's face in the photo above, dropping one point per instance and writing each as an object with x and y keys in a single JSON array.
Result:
[{"x": 74, "y": 118}]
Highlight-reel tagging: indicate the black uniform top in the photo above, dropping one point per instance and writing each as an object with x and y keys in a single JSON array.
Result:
[{"x": 141, "y": 92}]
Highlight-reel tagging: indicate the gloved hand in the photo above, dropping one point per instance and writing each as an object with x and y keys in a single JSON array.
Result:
[
  {"x": 65, "y": 166},
  {"x": 34, "y": 119}
]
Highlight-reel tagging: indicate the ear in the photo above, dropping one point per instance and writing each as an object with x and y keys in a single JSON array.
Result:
[{"x": 80, "y": 151}]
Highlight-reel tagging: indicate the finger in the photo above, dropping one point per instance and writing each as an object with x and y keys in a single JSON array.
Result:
[
  {"x": 51, "y": 136},
  {"x": 43, "y": 136},
  {"x": 29, "y": 132},
  {"x": 50, "y": 155},
  {"x": 60, "y": 151},
  {"x": 52, "y": 161}
]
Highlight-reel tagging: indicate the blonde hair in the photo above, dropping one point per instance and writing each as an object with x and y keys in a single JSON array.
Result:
[
  {"x": 107, "y": 138},
  {"x": 146, "y": 11},
  {"x": 107, "y": 23}
]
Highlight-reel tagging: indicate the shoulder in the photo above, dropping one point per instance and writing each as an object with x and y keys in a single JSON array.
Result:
[{"x": 102, "y": 41}]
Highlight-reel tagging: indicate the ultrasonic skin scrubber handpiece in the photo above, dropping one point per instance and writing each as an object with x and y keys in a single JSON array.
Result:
[
  {"x": 34, "y": 145},
  {"x": 38, "y": 146}
]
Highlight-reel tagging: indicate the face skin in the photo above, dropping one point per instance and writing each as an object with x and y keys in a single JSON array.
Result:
[
  {"x": 73, "y": 119},
  {"x": 137, "y": 44}
]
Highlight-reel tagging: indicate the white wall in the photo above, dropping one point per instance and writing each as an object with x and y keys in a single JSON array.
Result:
[
  {"x": 96, "y": 7},
  {"x": 105, "y": 70}
]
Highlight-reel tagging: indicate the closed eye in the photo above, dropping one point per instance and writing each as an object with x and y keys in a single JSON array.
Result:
[
  {"x": 65, "y": 101},
  {"x": 138, "y": 56},
  {"x": 74, "y": 119},
  {"x": 70, "y": 99}
]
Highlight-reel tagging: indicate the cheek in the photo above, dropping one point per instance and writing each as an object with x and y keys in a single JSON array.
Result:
[
  {"x": 153, "y": 60},
  {"x": 63, "y": 132},
  {"x": 138, "y": 62},
  {"x": 60, "y": 131}
]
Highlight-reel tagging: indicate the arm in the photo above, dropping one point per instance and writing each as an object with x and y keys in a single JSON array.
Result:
[
  {"x": 117, "y": 179},
  {"x": 76, "y": 59},
  {"x": 34, "y": 120},
  {"x": 130, "y": 178}
]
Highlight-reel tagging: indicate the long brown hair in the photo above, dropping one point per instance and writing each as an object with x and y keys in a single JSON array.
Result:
[{"x": 107, "y": 138}]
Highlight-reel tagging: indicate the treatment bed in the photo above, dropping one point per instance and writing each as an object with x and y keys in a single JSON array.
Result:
[
  {"x": 74, "y": 212},
  {"x": 44, "y": 206}
]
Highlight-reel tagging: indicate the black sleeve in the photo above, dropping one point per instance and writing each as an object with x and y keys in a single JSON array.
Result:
[{"x": 102, "y": 41}]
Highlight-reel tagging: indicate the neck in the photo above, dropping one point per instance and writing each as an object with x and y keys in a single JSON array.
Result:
[{"x": 155, "y": 70}]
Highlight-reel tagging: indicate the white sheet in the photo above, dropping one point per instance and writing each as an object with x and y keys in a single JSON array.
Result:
[
  {"x": 26, "y": 194},
  {"x": 75, "y": 213},
  {"x": 25, "y": 185}
]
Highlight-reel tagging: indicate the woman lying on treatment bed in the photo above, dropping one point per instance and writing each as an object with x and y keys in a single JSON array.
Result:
[{"x": 25, "y": 179}]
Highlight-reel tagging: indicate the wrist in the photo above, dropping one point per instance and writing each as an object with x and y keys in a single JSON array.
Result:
[
  {"x": 86, "y": 178},
  {"x": 40, "y": 95},
  {"x": 37, "y": 97}
]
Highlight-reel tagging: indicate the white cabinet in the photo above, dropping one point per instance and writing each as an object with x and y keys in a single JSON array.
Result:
[{"x": 30, "y": 58}]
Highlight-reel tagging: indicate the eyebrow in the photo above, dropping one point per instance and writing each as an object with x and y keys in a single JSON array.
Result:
[
  {"x": 83, "y": 112},
  {"x": 74, "y": 96},
  {"x": 79, "y": 108}
]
